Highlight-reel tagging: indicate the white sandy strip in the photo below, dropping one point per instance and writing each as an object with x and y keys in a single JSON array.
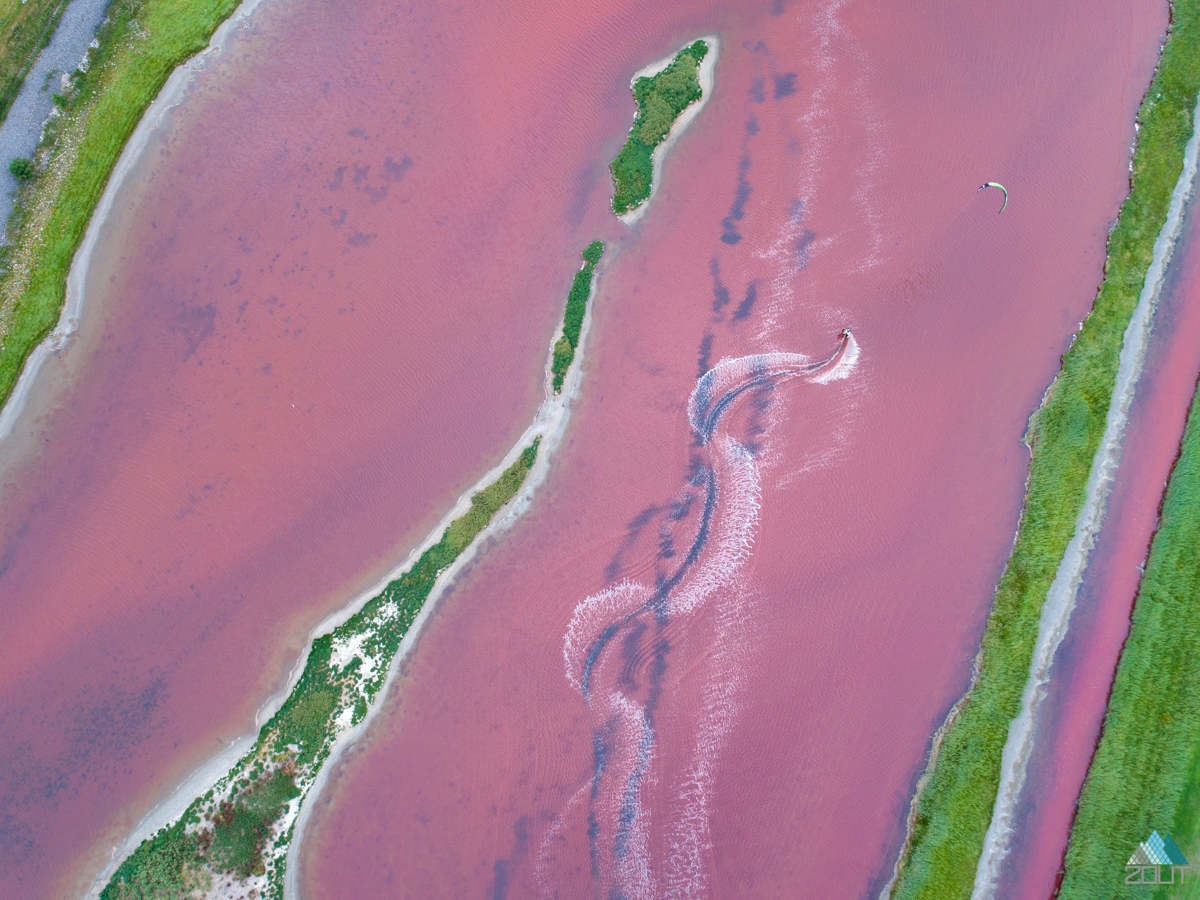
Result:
[
  {"x": 68, "y": 321},
  {"x": 549, "y": 424},
  {"x": 1060, "y": 599},
  {"x": 705, "y": 75}
]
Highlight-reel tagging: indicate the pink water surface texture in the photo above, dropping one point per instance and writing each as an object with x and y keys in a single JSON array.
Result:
[
  {"x": 1070, "y": 721},
  {"x": 709, "y": 659},
  {"x": 320, "y": 310}
]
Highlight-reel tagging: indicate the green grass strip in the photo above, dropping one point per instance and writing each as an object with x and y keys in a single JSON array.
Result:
[
  {"x": 581, "y": 289},
  {"x": 140, "y": 44},
  {"x": 235, "y": 828},
  {"x": 955, "y": 807},
  {"x": 660, "y": 100},
  {"x": 1146, "y": 771}
]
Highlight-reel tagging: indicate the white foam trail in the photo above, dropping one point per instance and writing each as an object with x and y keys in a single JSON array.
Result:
[
  {"x": 689, "y": 836},
  {"x": 844, "y": 366},
  {"x": 599, "y": 660},
  {"x": 1060, "y": 599},
  {"x": 839, "y": 65},
  {"x": 591, "y": 617}
]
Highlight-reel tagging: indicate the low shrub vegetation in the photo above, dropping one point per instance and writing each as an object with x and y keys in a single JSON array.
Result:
[
  {"x": 581, "y": 289},
  {"x": 237, "y": 828},
  {"x": 660, "y": 100}
]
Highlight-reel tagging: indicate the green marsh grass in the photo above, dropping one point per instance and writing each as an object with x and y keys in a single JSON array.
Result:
[
  {"x": 26, "y": 27},
  {"x": 1146, "y": 771},
  {"x": 581, "y": 289},
  {"x": 231, "y": 829},
  {"x": 955, "y": 807}
]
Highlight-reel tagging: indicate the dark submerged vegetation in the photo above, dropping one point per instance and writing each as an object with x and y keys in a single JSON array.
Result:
[
  {"x": 955, "y": 807},
  {"x": 581, "y": 289},
  {"x": 660, "y": 100}
]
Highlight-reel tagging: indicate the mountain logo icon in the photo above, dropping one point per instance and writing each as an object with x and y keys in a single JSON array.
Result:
[
  {"x": 1157, "y": 851},
  {"x": 1154, "y": 852}
]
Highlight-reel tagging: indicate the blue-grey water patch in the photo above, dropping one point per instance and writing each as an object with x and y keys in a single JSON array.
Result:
[{"x": 20, "y": 132}]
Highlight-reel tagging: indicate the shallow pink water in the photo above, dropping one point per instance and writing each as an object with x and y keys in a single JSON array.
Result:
[
  {"x": 321, "y": 312},
  {"x": 1074, "y": 707},
  {"x": 762, "y": 739}
]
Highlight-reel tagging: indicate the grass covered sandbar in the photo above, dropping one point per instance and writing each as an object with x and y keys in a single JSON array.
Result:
[
  {"x": 661, "y": 99},
  {"x": 954, "y": 809},
  {"x": 237, "y": 835}
]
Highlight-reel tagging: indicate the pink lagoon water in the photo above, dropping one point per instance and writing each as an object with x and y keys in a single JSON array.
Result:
[
  {"x": 320, "y": 311},
  {"x": 1075, "y": 705},
  {"x": 709, "y": 660}
]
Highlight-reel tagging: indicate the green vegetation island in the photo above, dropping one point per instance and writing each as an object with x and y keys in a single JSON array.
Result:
[
  {"x": 138, "y": 46},
  {"x": 1146, "y": 772},
  {"x": 240, "y": 830},
  {"x": 572, "y": 327},
  {"x": 956, "y": 795},
  {"x": 663, "y": 94},
  {"x": 235, "y": 837}
]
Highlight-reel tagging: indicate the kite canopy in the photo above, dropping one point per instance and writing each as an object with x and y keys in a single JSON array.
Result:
[{"x": 1003, "y": 190}]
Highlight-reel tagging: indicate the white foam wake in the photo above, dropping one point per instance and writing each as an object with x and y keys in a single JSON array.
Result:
[{"x": 616, "y": 647}]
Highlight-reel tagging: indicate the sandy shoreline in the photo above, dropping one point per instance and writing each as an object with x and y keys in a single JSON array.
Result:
[
  {"x": 706, "y": 75},
  {"x": 549, "y": 424},
  {"x": 1060, "y": 599},
  {"x": 171, "y": 95},
  {"x": 1056, "y": 609}
]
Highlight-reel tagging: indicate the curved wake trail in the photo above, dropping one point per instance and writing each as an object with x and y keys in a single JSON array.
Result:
[
  {"x": 1060, "y": 599},
  {"x": 618, "y": 642}
]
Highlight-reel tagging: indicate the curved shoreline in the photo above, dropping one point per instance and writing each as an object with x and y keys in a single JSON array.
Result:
[
  {"x": 549, "y": 424},
  {"x": 73, "y": 305},
  {"x": 705, "y": 74}
]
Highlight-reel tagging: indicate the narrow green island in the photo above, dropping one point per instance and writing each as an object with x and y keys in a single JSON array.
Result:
[
  {"x": 1146, "y": 772},
  {"x": 581, "y": 289},
  {"x": 139, "y": 44},
  {"x": 234, "y": 839},
  {"x": 661, "y": 99},
  {"x": 238, "y": 833},
  {"x": 26, "y": 27},
  {"x": 954, "y": 806}
]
